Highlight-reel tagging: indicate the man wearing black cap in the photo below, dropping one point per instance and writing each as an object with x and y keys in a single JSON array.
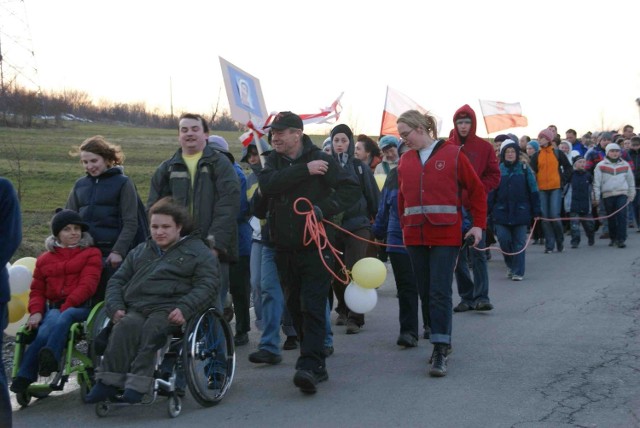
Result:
[{"x": 298, "y": 169}]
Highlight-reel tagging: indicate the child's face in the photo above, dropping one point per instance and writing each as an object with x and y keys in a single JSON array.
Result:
[
  {"x": 613, "y": 154},
  {"x": 580, "y": 165}
]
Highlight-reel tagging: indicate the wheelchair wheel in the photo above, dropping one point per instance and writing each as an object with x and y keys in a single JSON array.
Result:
[
  {"x": 98, "y": 323},
  {"x": 175, "y": 406},
  {"x": 208, "y": 357},
  {"x": 102, "y": 409}
]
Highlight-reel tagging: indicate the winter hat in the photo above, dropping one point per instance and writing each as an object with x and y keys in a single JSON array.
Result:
[
  {"x": 513, "y": 137},
  {"x": 342, "y": 129},
  {"x": 546, "y": 133},
  {"x": 220, "y": 144},
  {"x": 62, "y": 218},
  {"x": 612, "y": 146},
  {"x": 245, "y": 150},
  {"x": 534, "y": 144},
  {"x": 388, "y": 141},
  {"x": 326, "y": 142},
  {"x": 500, "y": 138},
  {"x": 576, "y": 158},
  {"x": 506, "y": 144}
]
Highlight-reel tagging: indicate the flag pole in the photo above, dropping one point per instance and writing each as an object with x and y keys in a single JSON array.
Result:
[{"x": 386, "y": 96}]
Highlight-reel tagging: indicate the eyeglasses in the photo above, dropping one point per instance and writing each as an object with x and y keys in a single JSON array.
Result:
[
  {"x": 406, "y": 134},
  {"x": 463, "y": 122}
]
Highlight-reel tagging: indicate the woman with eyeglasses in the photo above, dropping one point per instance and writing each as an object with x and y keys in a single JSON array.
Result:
[{"x": 431, "y": 176}]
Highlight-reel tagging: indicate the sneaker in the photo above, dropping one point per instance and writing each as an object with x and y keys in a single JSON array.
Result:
[
  {"x": 407, "y": 340},
  {"x": 307, "y": 380},
  {"x": 290, "y": 343},
  {"x": 517, "y": 278},
  {"x": 341, "y": 320},
  {"x": 352, "y": 327},
  {"x": 47, "y": 362},
  {"x": 132, "y": 396},
  {"x": 462, "y": 307},
  {"x": 262, "y": 356},
  {"x": 241, "y": 339},
  {"x": 439, "y": 360},
  {"x": 483, "y": 306},
  {"x": 547, "y": 251},
  {"x": 100, "y": 392},
  {"x": 328, "y": 351},
  {"x": 20, "y": 385},
  {"x": 621, "y": 244}
]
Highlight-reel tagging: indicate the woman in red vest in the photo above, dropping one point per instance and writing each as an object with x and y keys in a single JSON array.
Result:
[{"x": 431, "y": 177}]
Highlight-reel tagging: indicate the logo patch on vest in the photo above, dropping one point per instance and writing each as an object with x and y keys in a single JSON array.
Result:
[{"x": 440, "y": 165}]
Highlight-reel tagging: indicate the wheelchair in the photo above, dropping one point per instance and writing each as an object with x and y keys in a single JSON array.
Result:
[
  {"x": 73, "y": 359},
  {"x": 201, "y": 354}
]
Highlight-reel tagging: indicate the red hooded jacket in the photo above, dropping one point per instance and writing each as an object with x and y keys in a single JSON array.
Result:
[{"x": 479, "y": 151}]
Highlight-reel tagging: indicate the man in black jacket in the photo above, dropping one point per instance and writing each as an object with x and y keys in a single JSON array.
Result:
[{"x": 295, "y": 169}]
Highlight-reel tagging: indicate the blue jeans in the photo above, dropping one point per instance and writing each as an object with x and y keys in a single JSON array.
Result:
[
  {"x": 52, "y": 333},
  {"x": 513, "y": 239},
  {"x": 588, "y": 225},
  {"x": 433, "y": 268},
  {"x": 272, "y": 302},
  {"x": 618, "y": 222},
  {"x": 256, "y": 272},
  {"x": 550, "y": 201},
  {"x": 473, "y": 291},
  {"x": 5, "y": 401}
]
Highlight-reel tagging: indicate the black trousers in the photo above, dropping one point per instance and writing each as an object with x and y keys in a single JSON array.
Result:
[
  {"x": 408, "y": 295},
  {"x": 240, "y": 288},
  {"x": 306, "y": 282}
]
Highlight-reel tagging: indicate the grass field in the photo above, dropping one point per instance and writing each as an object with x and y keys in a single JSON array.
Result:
[{"x": 38, "y": 163}]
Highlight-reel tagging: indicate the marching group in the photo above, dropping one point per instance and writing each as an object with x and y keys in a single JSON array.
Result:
[{"x": 216, "y": 230}]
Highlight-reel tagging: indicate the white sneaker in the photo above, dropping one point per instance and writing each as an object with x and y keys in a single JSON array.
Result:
[{"x": 517, "y": 278}]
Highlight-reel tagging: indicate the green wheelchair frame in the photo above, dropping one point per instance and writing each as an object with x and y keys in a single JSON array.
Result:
[{"x": 72, "y": 361}]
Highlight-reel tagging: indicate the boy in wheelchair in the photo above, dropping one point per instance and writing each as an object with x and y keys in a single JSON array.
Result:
[
  {"x": 162, "y": 283},
  {"x": 64, "y": 279}
]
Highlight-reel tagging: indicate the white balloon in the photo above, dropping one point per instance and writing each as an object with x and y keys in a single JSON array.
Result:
[
  {"x": 359, "y": 299},
  {"x": 19, "y": 279}
]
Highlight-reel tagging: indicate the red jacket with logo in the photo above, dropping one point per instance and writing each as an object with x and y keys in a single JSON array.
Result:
[{"x": 429, "y": 198}]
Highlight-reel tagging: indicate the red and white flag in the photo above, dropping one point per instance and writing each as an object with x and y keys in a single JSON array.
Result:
[
  {"x": 499, "y": 115},
  {"x": 326, "y": 115},
  {"x": 395, "y": 104}
]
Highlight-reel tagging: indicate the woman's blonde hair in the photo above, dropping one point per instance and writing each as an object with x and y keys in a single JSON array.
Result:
[{"x": 414, "y": 120}]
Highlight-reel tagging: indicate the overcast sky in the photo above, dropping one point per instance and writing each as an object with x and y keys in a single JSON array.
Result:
[{"x": 570, "y": 63}]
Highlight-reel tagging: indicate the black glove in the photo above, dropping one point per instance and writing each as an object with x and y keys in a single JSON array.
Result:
[{"x": 318, "y": 212}]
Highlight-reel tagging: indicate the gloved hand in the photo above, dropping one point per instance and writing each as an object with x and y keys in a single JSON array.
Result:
[{"x": 318, "y": 212}]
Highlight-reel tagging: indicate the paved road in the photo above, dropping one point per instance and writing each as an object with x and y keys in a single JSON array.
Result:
[{"x": 560, "y": 349}]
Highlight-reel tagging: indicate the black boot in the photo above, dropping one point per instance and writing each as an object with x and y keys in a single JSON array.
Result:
[{"x": 439, "y": 360}]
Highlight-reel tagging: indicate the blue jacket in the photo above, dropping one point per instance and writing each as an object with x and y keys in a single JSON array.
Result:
[
  {"x": 10, "y": 233},
  {"x": 387, "y": 224},
  {"x": 516, "y": 200},
  {"x": 578, "y": 196}
]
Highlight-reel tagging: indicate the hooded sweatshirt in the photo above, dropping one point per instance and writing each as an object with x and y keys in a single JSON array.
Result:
[{"x": 479, "y": 151}]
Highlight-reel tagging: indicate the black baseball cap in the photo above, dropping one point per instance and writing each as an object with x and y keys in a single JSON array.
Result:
[{"x": 286, "y": 119}]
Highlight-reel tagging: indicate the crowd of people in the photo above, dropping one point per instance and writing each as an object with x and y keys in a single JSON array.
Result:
[{"x": 235, "y": 232}]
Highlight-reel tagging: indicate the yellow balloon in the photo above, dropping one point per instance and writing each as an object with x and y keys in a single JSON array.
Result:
[
  {"x": 369, "y": 272},
  {"x": 24, "y": 298},
  {"x": 380, "y": 179},
  {"x": 16, "y": 310},
  {"x": 28, "y": 262}
]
